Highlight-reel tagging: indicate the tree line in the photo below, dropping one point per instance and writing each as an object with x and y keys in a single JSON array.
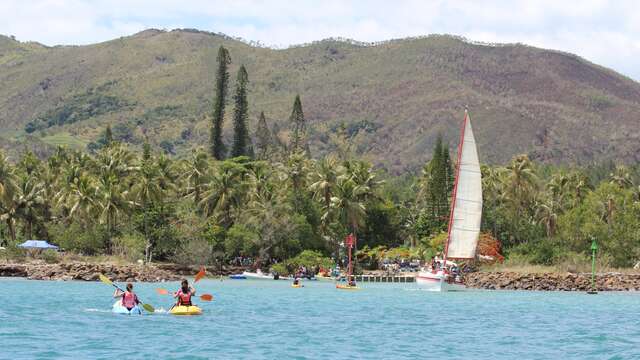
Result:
[{"x": 269, "y": 199}]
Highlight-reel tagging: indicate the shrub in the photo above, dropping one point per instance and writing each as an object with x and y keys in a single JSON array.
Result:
[
  {"x": 73, "y": 237},
  {"x": 130, "y": 246},
  {"x": 240, "y": 240},
  {"x": 280, "y": 268},
  {"x": 310, "y": 259},
  {"x": 50, "y": 256},
  {"x": 195, "y": 251},
  {"x": 13, "y": 253}
]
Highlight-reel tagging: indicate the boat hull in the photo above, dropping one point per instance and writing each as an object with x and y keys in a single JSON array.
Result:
[
  {"x": 437, "y": 282},
  {"x": 261, "y": 276}
]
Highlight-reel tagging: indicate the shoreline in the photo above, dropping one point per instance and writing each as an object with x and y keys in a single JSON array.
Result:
[
  {"x": 83, "y": 271},
  {"x": 486, "y": 280},
  {"x": 552, "y": 281}
]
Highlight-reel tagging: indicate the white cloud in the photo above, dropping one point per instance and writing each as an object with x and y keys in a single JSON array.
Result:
[{"x": 605, "y": 32}]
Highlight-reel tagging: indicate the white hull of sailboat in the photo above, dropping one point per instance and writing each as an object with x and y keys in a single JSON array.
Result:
[{"x": 437, "y": 282}]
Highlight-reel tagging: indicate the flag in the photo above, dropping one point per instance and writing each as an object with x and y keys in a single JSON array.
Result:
[{"x": 349, "y": 240}]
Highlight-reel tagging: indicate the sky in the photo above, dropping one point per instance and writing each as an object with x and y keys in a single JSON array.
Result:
[{"x": 604, "y": 32}]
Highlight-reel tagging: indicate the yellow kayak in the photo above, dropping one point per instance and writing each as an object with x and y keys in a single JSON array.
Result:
[
  {"x": 297, "y": 286},
  {"x": 185, "y": 310},
  {"x": 346, "y": 287}
]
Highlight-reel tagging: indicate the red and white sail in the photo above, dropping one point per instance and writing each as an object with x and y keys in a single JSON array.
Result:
[{"x": 466, "y": 212}]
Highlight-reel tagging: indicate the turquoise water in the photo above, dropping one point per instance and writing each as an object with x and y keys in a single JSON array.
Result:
[{"x": 269, "y": 319}]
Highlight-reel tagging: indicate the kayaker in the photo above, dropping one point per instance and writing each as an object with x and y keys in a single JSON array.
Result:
[
  {"x": 129, "y": 298},
  {"x": 184, "y": 294},
  {"x": 296, "y": 281}
]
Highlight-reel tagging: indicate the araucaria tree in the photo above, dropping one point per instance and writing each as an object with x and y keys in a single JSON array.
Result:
[
  {"x": 297, "y": 140},
  {"x": 241, "y": 140},
  {"x": 263, "y": 138},
  {"x": 436, "y": 187},
  {"x": 216, "y": 144}
]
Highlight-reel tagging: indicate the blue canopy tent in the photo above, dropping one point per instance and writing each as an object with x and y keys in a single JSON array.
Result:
[{"x": 37, "y": 245}]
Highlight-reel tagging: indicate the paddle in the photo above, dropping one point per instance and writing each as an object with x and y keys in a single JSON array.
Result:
[
  {"x": 203, "y": 297},
  {"x": 106, "y": 280},
  {"x": 200, "y": 274}
]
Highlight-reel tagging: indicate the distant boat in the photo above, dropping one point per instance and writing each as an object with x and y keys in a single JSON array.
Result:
[
  {"x": 464, "y": 218},
  {"x": 259, "y": 275}
]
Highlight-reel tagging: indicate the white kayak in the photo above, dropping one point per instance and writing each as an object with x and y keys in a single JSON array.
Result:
[{"x": 119, "y": 309}]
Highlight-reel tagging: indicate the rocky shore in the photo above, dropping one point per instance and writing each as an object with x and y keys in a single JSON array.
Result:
[
  {"x": 89, "y": 272},
  {"x": 552, "y": 282},
  {"x": 173, "y": 272}
]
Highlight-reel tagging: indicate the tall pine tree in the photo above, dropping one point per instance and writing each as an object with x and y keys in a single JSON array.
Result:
[
  {"x": 263, "y": 138},
  {"x": 108, "y": 136},
  {"x": 216, "y": 143},
  {"x": 241, "y": 140},
  {"x": 297, "y": 139},
  {"x": 439, "y": 178}
]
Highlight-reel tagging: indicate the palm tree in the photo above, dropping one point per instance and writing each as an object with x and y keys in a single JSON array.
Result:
[
  {"x": 166, "y": 173},
  {"x": 223, "y": 192},
  {"x": 579, "y": 185},
  {"x": 348, "y": 203},
  {"x": 621, "y": 177},
  {"x": 362, "y": 174},
  {"x": 29, "y": 203},
  {"x": 82, "y": 199},
  {"x": 547, "y": 215},
  {"x": 521, "y": 183},
  {"x": 112, "y": 201},
  {"x": 195, "y": 175},
  {"x": 296, "y": 171},
  {"x": 8, "y": 192},
  {"x": 323, "y": 180}
]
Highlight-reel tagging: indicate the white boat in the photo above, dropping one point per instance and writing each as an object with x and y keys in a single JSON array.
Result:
[
  {"x": 259, "y": 275},
  {"x": 464, "y": 219},
  {"x": 436, "y": 279}
]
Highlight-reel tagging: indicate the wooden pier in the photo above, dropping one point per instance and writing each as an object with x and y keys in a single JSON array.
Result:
[{"x": 385, "y": 278}]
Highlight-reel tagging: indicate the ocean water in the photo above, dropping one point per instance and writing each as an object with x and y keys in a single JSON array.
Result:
[{"x": 270, "y": 320}]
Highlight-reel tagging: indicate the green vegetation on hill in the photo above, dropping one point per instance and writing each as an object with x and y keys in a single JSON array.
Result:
[{"x": 397, "y": 96}]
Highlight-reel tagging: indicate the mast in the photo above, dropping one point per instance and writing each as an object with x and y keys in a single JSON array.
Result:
[
  {"x": 350, "y": 242},
  {"x": 455, "y": 189}
]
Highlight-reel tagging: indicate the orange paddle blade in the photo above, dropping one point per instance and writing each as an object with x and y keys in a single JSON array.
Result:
[
  {"x": 206, "y": 297},
  {"x": 200, "y": 274},
  {"x": 162, "y": 291}
]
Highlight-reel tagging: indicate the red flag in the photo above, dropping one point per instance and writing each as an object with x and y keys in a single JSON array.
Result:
[{"x": 349, "y": 240}]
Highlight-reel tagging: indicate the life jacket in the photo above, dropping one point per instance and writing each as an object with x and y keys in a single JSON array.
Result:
[
  {"x": 129, "y": 300},
  {"x": 184, "y": 298}
]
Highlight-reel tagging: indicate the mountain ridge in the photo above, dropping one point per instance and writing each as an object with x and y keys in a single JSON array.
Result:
[{"x": 395, "y": 96}]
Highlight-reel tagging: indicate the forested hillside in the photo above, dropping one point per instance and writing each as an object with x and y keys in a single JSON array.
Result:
[{"x": 393, "y": 98}]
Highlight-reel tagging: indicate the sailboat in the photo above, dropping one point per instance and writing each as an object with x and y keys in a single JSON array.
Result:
[
  {"x": 464, "y": 218},
  {"x": 351, "y": 283}
]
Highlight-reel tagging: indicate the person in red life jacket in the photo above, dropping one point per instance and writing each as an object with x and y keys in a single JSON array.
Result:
[
  {"x": 184, "y": 294},
  {"x": 129, "y": 298}
]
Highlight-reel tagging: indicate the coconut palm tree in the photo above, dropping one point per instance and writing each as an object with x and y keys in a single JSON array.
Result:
[
  {"x": 112, "y": 201},
  {"x": 520, "y": 183},
  {"x": 82, "y": 199},
  {"x": 348, "y": 204},
  {"x": 195, "y": 175},
  {"x": 621, "y": 177},
  {"x": 9, "y": 190},
  {"x": 224, "y": 192},
  {"x": 29, "y": 203},
  {"x": 547, "y": 215}
]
